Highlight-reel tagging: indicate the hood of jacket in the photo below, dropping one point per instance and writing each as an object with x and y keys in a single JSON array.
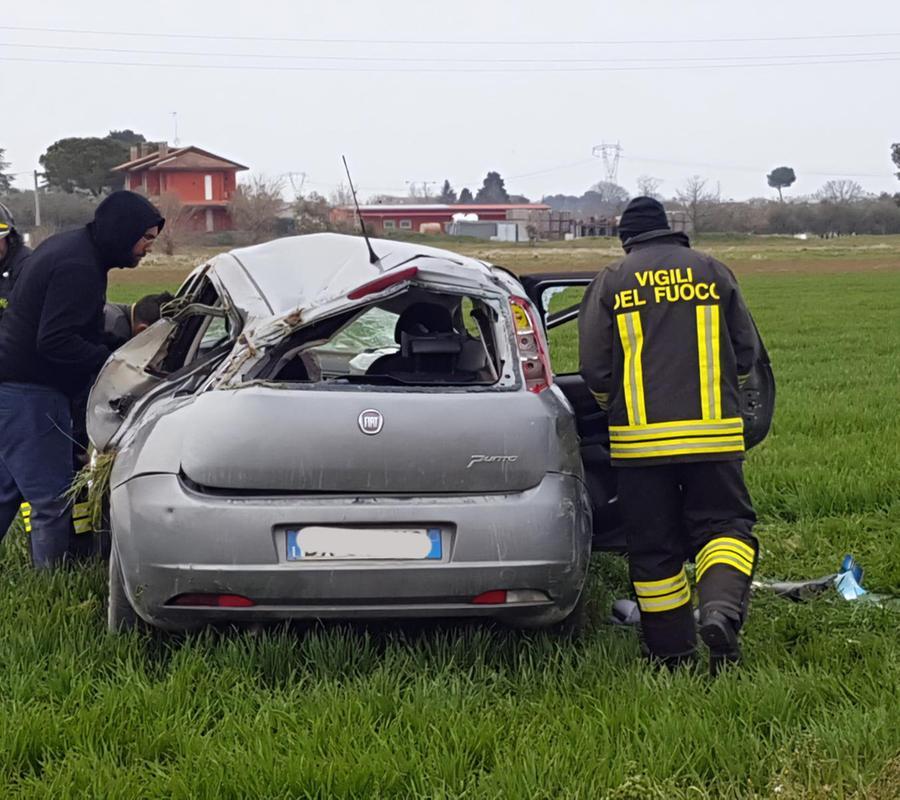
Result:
[{"x": 119, "y": 223}]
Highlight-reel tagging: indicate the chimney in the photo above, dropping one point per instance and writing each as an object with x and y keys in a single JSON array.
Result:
[
  {"x": 145, "y": 146},
  {"x": 133, "y": 152},
  {"x": 163, "y": 148}
]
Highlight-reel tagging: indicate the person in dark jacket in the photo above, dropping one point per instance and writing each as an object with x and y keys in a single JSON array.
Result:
[
  {"x": 50, "y": 350},
  {"x": 13, "y": 253},
  {"x": 122, "y": 321},
  {"x": 666, "y": 342}
]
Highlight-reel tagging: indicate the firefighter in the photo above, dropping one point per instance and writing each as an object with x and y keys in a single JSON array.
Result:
[
  {"x": 50, "y": 350},
  {"x": 666, "y": 342},
  {"x": 13, "y": 253}
]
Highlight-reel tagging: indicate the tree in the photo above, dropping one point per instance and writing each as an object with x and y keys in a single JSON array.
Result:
[
  {"x": 608, "y": 196},
  {"x": 126, "y": 138},
  {"x": 177, "y": 228},
  {"x": 256, "y": 205},
  {"x": 448, "y": 195},
  {"x": 5, "y": 180},
  {"x": 492, "y": 190},
  {"x": 780, "y": 178},
  {"x": 840, "y": 192},
  {"x": 465, "y": 196},
  {"x": 697, "y": 201},
  {"x": 83, "y": 163},
  {"x": 648, "y": 186},
  {"x": 312, "y": 214},
  {"x": 895, "y": 156}
]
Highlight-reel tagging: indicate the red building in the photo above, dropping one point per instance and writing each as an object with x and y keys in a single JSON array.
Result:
[
  {"x": 381, "y": 219},
  {"x": 202, "y": 181}
]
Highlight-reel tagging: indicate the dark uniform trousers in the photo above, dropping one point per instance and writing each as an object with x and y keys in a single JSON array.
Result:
[
  {"x": 36, "y": 466},
  {"x": 698, "y": 511}
]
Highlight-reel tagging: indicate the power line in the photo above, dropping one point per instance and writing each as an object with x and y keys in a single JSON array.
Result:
[
  {"x": 438, "y": 60},
  {"x": 464, "y": 42},
  {"x": 449, "y": 70}
]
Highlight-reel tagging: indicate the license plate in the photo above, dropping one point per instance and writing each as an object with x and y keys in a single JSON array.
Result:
[{"x": 322, "y": 543}]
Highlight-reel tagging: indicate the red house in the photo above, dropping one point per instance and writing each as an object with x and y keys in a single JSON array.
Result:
[{"x": 203, "y": 181}]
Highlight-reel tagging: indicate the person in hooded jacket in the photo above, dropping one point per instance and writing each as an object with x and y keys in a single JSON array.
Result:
[
  {"x": 13, "y": 253},
  {"x": 666, "y": 342},
  {"x": 51, "y": 349}
]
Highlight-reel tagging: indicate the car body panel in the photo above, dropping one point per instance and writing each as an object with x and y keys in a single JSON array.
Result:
[{"x": 172, "y": 540}]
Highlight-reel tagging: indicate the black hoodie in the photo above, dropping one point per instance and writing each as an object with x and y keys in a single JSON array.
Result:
[{"x": 52, "y": 332}]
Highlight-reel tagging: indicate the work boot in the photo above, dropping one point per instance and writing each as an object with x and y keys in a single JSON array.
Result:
[{"x": 719, "y": 634}]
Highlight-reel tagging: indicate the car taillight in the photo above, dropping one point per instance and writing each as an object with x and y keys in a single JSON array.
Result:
[
  {"x": 496, "y": 597},
  {"x": 384, "y": 282},
  {"x": 212, "y": 600},
  {"x": 530, "y": 344}
]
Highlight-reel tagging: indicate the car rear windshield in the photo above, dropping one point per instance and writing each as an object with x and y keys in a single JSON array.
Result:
[{"x": 418, "y": 338}]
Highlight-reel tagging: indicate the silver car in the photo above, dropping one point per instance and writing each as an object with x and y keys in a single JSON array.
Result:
[{"x": 317, "y": 431}]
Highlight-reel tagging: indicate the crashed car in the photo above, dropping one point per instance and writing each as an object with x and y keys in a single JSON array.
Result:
[{"x": 320, "y": 430}]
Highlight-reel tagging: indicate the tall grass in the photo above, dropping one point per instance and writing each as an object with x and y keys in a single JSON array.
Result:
[{"x": 470, "y": 710}]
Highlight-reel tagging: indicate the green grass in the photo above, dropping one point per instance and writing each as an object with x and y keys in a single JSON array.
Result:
[{"x": 473, "y": 711}]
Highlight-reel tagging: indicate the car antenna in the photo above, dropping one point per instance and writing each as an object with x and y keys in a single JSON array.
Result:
[{"x": 373, "y": 259}]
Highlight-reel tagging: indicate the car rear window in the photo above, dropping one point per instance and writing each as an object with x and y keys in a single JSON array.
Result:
[{"x": 416, "y": 338}]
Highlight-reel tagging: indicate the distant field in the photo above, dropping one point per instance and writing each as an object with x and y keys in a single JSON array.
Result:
[
  {"x": 446, "y": 711},
  {"x": 744, "y": 254}
]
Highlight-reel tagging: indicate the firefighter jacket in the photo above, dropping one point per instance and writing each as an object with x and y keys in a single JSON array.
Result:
[{"x": 664, "y": 336}]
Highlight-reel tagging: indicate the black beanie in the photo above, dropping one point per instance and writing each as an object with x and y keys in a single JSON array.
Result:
[{"x": 641, "y": 215}]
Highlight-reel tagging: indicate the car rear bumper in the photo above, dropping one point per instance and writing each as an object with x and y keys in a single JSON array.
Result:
[{"x": 172, "y": 540}]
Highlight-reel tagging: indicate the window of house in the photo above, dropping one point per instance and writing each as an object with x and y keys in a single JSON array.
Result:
[
  {"x": 390, "y": 224},
  {"x": 405, "y": 224}
]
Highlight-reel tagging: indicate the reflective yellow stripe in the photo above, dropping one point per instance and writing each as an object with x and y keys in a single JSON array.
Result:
[
  {"x": 83, "y": 525},
  {"x": 728, "y": 560},
  {"x": 25, "y": 511},
  {"x": 668, "y": 603},
  {"x": 726, "y": 550},
  {"x": 677, "y": 447},
  {"x": 730, "y": 541},
  {"x": 632, "y": 337},
  {"x": 602, "y": 398},
  {"x": 729, "y": 552},
  {"x": 710, "y": 369},
  {"x": 733, "y": 427},
  {"x": 652, "y": 426},
  {"x": 81, "y": 509},
  {"x": 655, "y": 588}
]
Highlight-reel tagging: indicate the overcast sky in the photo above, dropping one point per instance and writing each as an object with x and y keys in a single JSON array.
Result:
[{"x": 420, "y": 91}]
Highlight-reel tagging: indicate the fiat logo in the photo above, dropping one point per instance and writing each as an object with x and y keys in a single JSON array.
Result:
[{"x": 371, "y": 421}]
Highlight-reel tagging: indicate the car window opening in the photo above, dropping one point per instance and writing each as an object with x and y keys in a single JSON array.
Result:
[{"x": 416, "y": 338}]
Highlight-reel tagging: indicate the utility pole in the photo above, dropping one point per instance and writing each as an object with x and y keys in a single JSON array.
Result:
[
  {"x": 175, "y": 141},
  {"x": 610, "y": 153},
  {"x": 37, "y": 201}
]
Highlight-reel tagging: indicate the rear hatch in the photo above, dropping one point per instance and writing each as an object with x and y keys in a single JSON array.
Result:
[{"x": 262, "y": 439}]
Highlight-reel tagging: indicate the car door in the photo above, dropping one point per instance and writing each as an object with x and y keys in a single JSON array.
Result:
[
  {"x": 198, "y": 328},
  {"x": 557, "y": 297}
]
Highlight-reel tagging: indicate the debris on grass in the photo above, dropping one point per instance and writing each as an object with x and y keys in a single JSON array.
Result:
[{"x": 93, "y": 481}]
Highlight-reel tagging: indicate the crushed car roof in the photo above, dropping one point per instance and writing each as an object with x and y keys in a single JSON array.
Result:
[{"x": 302, "y": 271}]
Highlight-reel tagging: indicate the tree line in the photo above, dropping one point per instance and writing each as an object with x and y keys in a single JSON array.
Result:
[{"x": 77, "y": 171}]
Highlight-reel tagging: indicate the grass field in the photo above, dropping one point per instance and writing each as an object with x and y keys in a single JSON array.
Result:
[{"x": 471, "y": 711}]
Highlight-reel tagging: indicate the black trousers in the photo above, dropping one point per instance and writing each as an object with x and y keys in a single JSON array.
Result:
[{"x": 701, "y": 512}]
